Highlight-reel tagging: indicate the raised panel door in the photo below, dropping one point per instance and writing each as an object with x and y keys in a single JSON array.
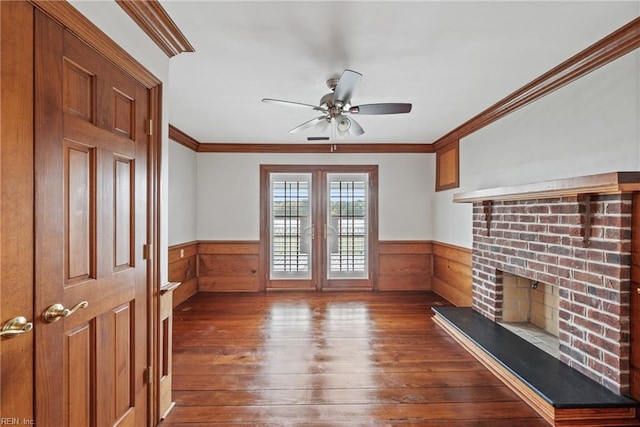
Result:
[{"x": 90, "y": 219}]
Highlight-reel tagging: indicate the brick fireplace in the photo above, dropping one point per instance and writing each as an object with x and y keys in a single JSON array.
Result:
[{"x": 578, "y": 241}]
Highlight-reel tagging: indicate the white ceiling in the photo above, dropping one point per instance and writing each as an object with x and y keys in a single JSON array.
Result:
[{"x": 450, "y": 59}]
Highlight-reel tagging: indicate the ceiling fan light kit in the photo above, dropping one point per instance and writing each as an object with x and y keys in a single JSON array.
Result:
[
  {"x": 343, "y": 124},
  {"x": 336, "y": 104}
]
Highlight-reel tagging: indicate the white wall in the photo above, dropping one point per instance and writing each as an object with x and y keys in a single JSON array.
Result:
[
  {"x": 589, "y": 126},
  {"x": 112, "y": 20},
  {"x": 183, "y": 183},
  {"x": 229, "y": 192}
]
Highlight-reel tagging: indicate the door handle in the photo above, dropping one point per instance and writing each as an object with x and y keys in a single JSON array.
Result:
[
  {"x": 16, "y": 326},
  {"x": 57, "y": 311}
]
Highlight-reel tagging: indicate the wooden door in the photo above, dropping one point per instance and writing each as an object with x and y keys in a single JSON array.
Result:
[{"x": 91, "y": 179}]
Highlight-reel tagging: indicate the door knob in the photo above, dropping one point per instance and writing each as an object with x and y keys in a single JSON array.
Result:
[
  {"x": 16, "y": 326},
  {"x": 57, "y": 311}
]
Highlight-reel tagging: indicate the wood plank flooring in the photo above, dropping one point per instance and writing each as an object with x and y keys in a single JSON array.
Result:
[{"x": 329, "y": 359}]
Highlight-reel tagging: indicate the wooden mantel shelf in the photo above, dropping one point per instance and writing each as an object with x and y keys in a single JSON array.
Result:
[{"x": 606, "y": 183}]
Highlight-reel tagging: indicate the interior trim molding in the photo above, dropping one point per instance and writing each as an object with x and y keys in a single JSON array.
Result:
[
  {"x": 188, "y": 141},
  {"x": 182, "y": 138},
  {"x": 66, "y": 15},
  {"x": 154, "y": 20},
  {"x": 315, "y": 148},
  {"x": 615, "y": 45}
]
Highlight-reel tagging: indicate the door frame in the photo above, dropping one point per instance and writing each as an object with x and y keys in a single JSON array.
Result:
[
  {"x": 318, "y": 172},
  {"x": 17, "y": 149}
]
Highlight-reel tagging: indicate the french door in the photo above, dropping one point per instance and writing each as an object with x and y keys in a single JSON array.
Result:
[{"x": 319, "y": 227}]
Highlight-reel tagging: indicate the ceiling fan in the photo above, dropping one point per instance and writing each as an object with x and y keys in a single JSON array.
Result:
[{"x": 336, "y": 106}]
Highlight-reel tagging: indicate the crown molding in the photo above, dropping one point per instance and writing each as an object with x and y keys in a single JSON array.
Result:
[
  {"x": 380, "y": 148},
  {"x": 156, "y": 22},
  {"x": 606, "y": 50},
  {"x": 182, "y": 138}
]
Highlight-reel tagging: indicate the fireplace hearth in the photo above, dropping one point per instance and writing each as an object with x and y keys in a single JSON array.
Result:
[{"x": 574, "y": 237}]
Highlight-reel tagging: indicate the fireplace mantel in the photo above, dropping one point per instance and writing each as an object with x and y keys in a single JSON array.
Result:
[{"x": 606, "y": 183}]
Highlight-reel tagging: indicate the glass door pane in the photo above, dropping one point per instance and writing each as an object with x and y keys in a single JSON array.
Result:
[
  {"x": 291, "y": 226},
  {"x": 347, "y": 226}
]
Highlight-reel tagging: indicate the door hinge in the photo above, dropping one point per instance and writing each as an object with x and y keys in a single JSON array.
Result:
[
  {"x": 150, "y": 131},
  {"x": 148, "y": 375},
  {"x": 147, "y": 252}
]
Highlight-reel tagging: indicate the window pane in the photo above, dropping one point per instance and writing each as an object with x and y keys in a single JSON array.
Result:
[
  {"x": 290, "y": 226},
  {"x": 347, "y": 237}
]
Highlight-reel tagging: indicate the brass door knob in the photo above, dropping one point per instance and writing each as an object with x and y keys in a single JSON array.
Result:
[
  {"x": 16, "y": 326},
  {"x": 57, "y": 311}
]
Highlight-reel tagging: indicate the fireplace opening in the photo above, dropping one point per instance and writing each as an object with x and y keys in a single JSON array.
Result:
[{"x": 530, "y": 310}]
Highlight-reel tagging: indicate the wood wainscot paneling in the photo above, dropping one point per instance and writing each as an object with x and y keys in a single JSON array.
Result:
[
  {"x": 404, "y": 265},
  {"x": 228, "y": 266},
  {"x": 452, "y": 273},
  {"x": 183, "y": 268}
]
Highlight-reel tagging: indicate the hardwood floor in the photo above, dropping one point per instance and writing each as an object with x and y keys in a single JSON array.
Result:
[{"x": 329, "y": 359}]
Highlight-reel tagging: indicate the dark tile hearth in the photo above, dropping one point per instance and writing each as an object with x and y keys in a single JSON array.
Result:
[{"x": 558, "y": 384}]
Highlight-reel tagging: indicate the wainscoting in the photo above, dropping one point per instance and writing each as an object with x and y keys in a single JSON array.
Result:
[
  {"x": 183, "y": 268},
  {"x": 404, "y": 265},
  {"x": 234, "y": 266},
  {"x": 229, "y": 266},
  {"x": 452, "y": 273}
]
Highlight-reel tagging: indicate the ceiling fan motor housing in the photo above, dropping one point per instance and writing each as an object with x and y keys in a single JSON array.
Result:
[{"x": 327, "y": 100}]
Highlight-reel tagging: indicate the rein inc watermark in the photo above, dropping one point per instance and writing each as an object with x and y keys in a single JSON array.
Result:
[{"x": 17, "y": 421}]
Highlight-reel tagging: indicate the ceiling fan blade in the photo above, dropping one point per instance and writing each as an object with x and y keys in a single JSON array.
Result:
[
  {"x": 388, "y": 108},
  {"x": 292, "y": 104},
  {"x": 355, "y": 129},
  {"x": 307, "y": 125},
  {"x": 346, "y": 86}
]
